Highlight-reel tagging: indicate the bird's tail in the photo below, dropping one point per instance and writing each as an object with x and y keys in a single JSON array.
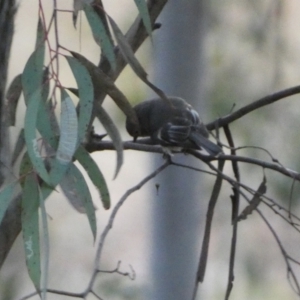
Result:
[{"x": 206, "y": 144}]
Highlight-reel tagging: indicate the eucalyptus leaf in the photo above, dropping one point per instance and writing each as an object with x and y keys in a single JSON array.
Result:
[
  {"x": 19, "y": 147},
  {"x": 30, "y": 136},
  {"x": 30, "y": 228},
  {"x": 129, "y": 56},
  {"x": 77, "y": 191},
  {"x": 12, "y": 98},
  {"x": 103, "y": 83},
  {"x": 45, "y": 244},
  {"x": 32, "y": 76},
  {"x": 144, "y": 12},
  {"x": 114, "y": 134},
  {"x": 100, "y": 34},
  {"x": 86, "y": 95},
  {"x": 6, "y": 195},
  {"x": 96, "y": 176},
  {"x": 68, "y": 129}
]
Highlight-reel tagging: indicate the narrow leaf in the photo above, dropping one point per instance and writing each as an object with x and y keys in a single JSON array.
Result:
[
  {"x": 67, "y": 144},
  {"x": 132, "y": 60},
  {"x": 78, "y": 193},
  {"x": 40, "y": 35},
  {"x": 6, "y": 194},
  {"x": 100, "y": 35},
  {"x": 19, "y": 147},
  {"x": 12, "y": 96},
  {"x": 69, "y": 186},
  {"x": 32, "y": 79},
  {"x": 32, "y": 76},
  {"x": 30, "y": 136},
  {"x": 127, "y": 51},
  {"x": 25, "y": 168},
  {"x": 114, "y": 134},
  {"x": 30, "y": 228},
  {"x": 47, "y": 124},
  {"x": 103, "y": 83},
  {"x": 46, "y": 120},
  {"x": 68, "y": 129},
  {"x": 96, "y": 176},
  {"x": 86, "y": 95},
  {"x": 45, "y": 245},
  {"x": 144, "y": 12}
]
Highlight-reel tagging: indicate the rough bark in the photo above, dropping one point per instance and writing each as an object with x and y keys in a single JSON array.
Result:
[{"x": 10, "y": 225}]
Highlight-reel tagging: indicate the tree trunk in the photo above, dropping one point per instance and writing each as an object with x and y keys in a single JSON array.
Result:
[
  {"x": 176, "y": 228},
  {"x": 10, "y": 222}
]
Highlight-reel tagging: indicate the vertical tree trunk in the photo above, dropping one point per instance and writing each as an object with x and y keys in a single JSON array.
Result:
[
  {"x": 176, "y": 212},
  {"x": 7, "y": 12},
  {"x": 10, "y": 223}
]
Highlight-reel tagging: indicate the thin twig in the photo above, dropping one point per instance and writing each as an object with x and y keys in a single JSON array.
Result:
[
  {"x": 235, "y": 199},
  {"x": 209, "y": 216},
  {"x": 114, "y": 212}
]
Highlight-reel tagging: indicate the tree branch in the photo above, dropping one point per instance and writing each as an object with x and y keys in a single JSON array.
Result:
[{"x": 253, "y": 106}]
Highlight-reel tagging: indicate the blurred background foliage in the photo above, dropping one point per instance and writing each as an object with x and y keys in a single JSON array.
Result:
[{"x": 251, "y": 50}]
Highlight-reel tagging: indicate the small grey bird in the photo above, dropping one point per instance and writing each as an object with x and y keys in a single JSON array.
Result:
[{"x": 173, "y": 124}]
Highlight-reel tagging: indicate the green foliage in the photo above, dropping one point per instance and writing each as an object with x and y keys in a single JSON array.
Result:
[
  {"x": 100, "y": 34},
  {"x": 49, "y": 147},
  {"x": 95, "y": 175},
  {"x": 143, "y": 10},
  {"x": 30, "y": 228},
  {"x": 5, "y": 196}
]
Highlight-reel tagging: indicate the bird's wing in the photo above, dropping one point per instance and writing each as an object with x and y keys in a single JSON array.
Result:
[
  {"x": 174, "y": 132},
  {"x": 206, "y": 144}
]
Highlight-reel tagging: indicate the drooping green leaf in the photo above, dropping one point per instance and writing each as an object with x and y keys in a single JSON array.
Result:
[
  {"x": 102, "y": 83},
  {"x": 68, "y": 129},
  {"x": 25, "y": 168},
  {"x": 67, "y": 144},
  {"x": 100, "y": 35},
  {"x": 86, "y": 95},
  {"x": 47, "y": 124},
  {"x": 30, "y": 228},
  {"x": 46, "y": 190},
  {"x": 32, "y": 79},
  {"x": 95, "y": 175},
  {"x": 40, "y": 35},
  {"x": 78, "y": 193},
  {"x": 114, "y": 134},
  {"x": 69, "y": 187},
  {"x": 45, "y": 244},
  {"x": 12, "y": 98},
  {"x": 129, "y": 56},
  {"x": 127, "y": 51},
  {"x": 144, "y": 12},
  {"x": 30, "y": 136},
  {"x": 32, "y": 76},
  {"x": 19, "y": 147},
  {"x": 6, "y": 194}
]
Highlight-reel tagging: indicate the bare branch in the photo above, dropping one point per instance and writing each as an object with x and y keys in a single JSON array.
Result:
[
  {"x": 253, "y": 106},
  {"x": 235, "y": 200},
  {"x": 114, "y": 212},
  {"x": 209, "y": 216}
]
